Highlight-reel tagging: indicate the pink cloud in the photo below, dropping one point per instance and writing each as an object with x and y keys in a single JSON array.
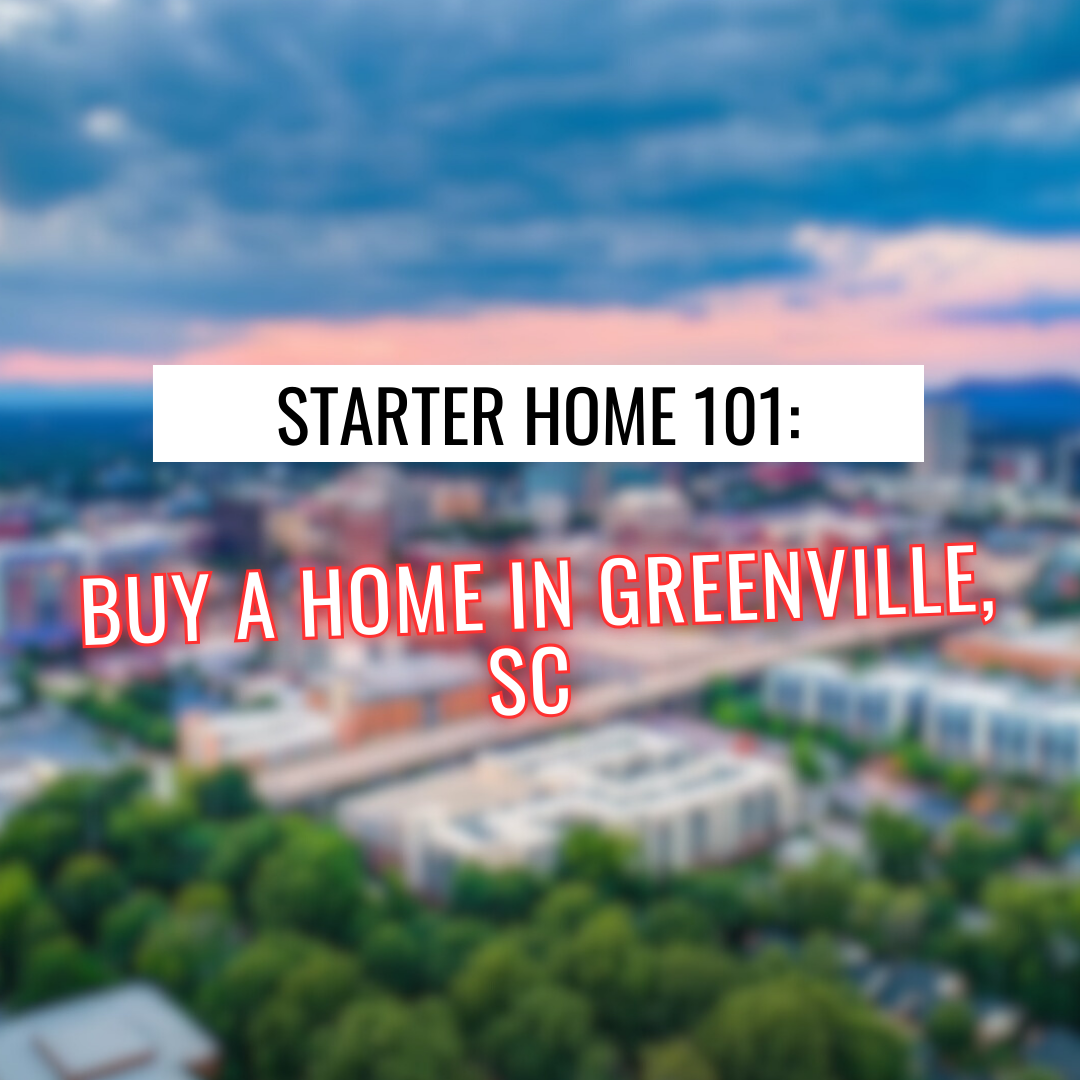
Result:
[
  {"x": 40, "y": 368},
  {"x": 866, "y": 299}
]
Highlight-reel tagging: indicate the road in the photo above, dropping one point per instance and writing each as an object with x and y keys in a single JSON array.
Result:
[{"x": 676, "y": 671}]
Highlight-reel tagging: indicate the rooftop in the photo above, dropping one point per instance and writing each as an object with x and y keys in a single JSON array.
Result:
[
  {"x": 615, "y": 775},
  {"x": 1057, "y": 1049},
  {"x": 134, "y": 1032},
  {"x": 408, "y": 674}
]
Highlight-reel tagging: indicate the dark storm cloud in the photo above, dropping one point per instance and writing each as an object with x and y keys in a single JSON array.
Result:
[{"x": 242, "y": 157}]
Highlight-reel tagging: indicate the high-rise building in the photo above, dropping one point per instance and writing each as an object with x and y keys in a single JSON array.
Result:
[
  {"x": 946, "y": 438},
  {"x": 1068, "y": 463}
]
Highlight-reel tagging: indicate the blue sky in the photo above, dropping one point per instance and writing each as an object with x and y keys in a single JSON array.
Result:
[{"x": 171, "y": 168}]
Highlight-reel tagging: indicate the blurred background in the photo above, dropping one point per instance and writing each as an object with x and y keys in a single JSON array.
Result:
[{"x": 837, "y": 850}]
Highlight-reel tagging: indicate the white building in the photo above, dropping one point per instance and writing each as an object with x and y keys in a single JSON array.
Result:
[
  {"x": 990, "y": 722},
  {"x": 876, "y": 703},
  {"x": 889, "y": 700},
  {"x": 958, "y": 711},
  {"x": 133, "y": 1032},
  {"x": 254, "y": 737},
  {"x": 685, "y": 806},
  {"x": 22, "y": 776},
  {"x": 947, "y": 438},
  {"x": 1006, "y": 729},
  {"x": 808, "y": 690},
  {"x": 39, "y": 575}
]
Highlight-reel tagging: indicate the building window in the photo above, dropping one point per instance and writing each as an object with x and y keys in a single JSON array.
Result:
[
  {"x": 699, "y": 834},
  {"x": 1009, "y": 740},
  {"x": 430, "y": 710},
  {"x": 758, "y": 817},
  {"x": 954, "y": 730},
  {"x": 874, "y": 712},
  {"x": 769, "y": 812},
  {"x": 664, "y": 846},
  {"x": 789, "y": 696},
  {"x": 1059, "y": 751},
  {"x": 834, "y": 703}
]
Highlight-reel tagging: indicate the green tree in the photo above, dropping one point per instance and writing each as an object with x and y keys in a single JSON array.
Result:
[
  {"x": 951, "y": 1029},
  {"x": 239, "y": 848},
  {"x": 899, "y": 843},
  {"x": 593, "y": 855},
  {"x": 248, "y": 980},
  {"x": 183, "y": 951},
  {"x": 675, "y": 919},
  {"x": 890, "y": 919},
  {"x": 819, "y": 956},
  {"x": 86, "y": 886},
  {"x": 971, "y": 857},
  {"x": 796, "y": 1026},
  {"x": 607, "y": 962},
  {"x": 382, "y": 1039},
  {"x": 91, "y": 798},
  {"x": 1033, "y": 1072},
  {"x": 204, "y": 898},
  {"x": 18, "y": 896},
  {"x": 675, "y": 1060},
  {"x": 496, "y": 974},
  {"x": 807, "y": 759},
  {"x": 448, "y": 944},
  {"x": 42, "y": 923},
  {"x": 600, "y": 1061},
  {"x": 224, "y": 794},
  {"x": 139, "y": 711},
  {"x": 68, "y": 816},
  {"x": 818, "y": 896},
  {"x": 394, "y": 953},
  {"x": 499, "y": 895},
  {"x": 27, "y": 922},
  {"x": 961, "y": 781},
  {"x": 564, "y": 908},
  {"x": 162, "y": 845},
  {"x": 40, "y": 837},
  {"x": 124, "y": 926},
  {"x": 868, "y": 911},
  {"x": 310, "y": 884},
  {"x": 721, "y": 894},
  {"x": 918, "y": 763},
  {"x": 280, "y": 1035},
  {"x": 687, "y": 980},
  {"x": 1033, "y": 831},
  {"x": 1033, "y": 943},
  {"x": 733, "y": 708},
  {"x": 544, "y": 1033},
  {"x": 58, "y": 968}
]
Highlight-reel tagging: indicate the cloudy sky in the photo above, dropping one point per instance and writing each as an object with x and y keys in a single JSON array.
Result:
[{"x": 491, "y": 180}]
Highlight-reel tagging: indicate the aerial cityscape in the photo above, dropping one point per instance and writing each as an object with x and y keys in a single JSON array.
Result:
[
  {"x": 333, "y": 855},
  {"x": 811, "y": 841}
]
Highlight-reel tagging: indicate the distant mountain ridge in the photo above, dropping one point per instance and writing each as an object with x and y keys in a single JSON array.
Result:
[
  {"x": 1038, "y": 409},
  {"x": 40, "y": 426}
]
